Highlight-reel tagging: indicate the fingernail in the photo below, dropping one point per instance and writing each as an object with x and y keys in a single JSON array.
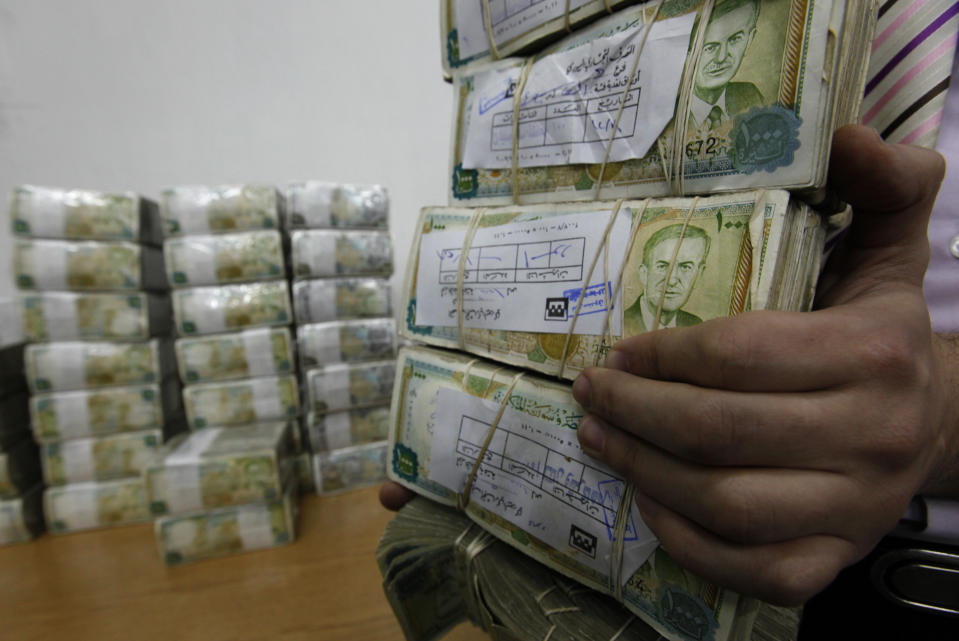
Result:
[
  {"x": 616, "y": 360},
  {"x": 592, "y": 436},
  {"x": 582, "y": 390}
]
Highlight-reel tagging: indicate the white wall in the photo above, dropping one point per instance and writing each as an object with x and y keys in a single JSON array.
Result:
[{"x": 144, "y": 94}]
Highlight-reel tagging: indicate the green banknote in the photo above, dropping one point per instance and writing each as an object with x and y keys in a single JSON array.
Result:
[
  {"x": 56, "y": 367},
  {"x": 248, "y": 400},
  {"x": 534, "y": 488},
  {"x": 338, "y": 430},
  {"x": 21, "y": 517},
  {"x": 68, "y": 316},
  {"x": 261, "y": 351},
  {"x": 215, "y": 259},
  {"x": 346, "y": 341},
  {"x": 216, "y": 467},
  {"x": 316, "y": 204},
  {"x": 329, "y": 299},
  {"x": 184, "y": 538},
  {"x": 87, "y": 506},
  {"x": 745, "y": 97},
  {"x": 87, "y": 265},
  {"x": 343, "y": 386},
  {"x": 213, "y": 310},
  {"x": 349, "y": 468},
  {"x": 204, "y": 209},
  {"x": 552, "y": 287},
  {"x": 103, "y": 458},
  {"x": 79, "y": 214},
  {"x": 323, "y": 253}
]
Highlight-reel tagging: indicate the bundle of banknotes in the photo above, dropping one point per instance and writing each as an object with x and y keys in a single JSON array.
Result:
[
  {"x": 343, "y": 386},
  {"x": 323, "y": 253},
  {"x": 86, "y": 506},
  {"x": 317, "y": 204},
  {"x": 262, "y": 351},
  {"x": 184, "y": 538},
  {"x": 349, "y": 341},
  {"x": 87, "y": 265},
  {"x": 220, "y": 466},
  {"x": 439, "y": 569},
  {"x": 71, "y": 316},
  {"x": 358, "y": 426},
  {"x": 303, "y": 471},
  {"x": 535, "y": 489},
  {"x": 212, "y": 310},
  {"x": 329, "y": 299},
  {"x": 202, "y": 209},
  {"x": 44, "y": 212},
  {"x": 215, "y": 259},
  {"x": 656, "y": 100},
  {"x": 597, "y": 272},
  {"x": 21, "y": 517},
  {"x": 349, "y": 468},
  {"x": 104, "y": 458},
  {"x": 242, "y": 401},
  {"x": 57, "y": 367}
]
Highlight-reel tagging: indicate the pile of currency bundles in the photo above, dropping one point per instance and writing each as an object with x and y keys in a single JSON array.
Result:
[
  {"x": 342, "y": 260},
  {"x": 651, "y": 169},
  {"x": 94, "y": 305},
  {"x": 21, "y": 485}
]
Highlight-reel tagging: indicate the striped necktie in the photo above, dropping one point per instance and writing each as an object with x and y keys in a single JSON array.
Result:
[{"x": 910, "y": 68}]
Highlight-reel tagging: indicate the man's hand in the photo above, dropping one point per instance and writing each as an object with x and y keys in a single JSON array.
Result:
[{"x": 772, "y": 449}]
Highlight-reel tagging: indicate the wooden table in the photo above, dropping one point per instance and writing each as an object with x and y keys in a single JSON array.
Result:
[{"x": 110, "y": 584}]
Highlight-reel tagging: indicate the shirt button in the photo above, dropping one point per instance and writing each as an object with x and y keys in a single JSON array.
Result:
[{"x": 954, "y": 246}]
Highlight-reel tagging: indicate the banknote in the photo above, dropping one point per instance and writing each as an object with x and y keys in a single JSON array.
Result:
[
  {"x": 57, "y": 367},
  {"x": 213, "y": 310},
  {"x": 80, "y": 214},
  {"x": 184, "y": 538},
  {"x": 92, "y": 505},
  {"x": 110, "y": 410},
  {"x": 329, "y": 299},
  {"x": 237, "y": 402},
  {"x": 69, "y": 316},
  {"x": 261, "y": 351},
  {"x": 19, "y": 464},
  {"x": 338, "y": 430},
  {"x": 216, "y": 467},
  {"x": 204, "y": 209},
  {"x": 101, "y": 458},
  {"x": 533, "y": 486},
  {"x": 759, "y": 115},
  {"x": 87, "y": 265},
  {"x": 439, "y": 569},
  {"x": 324, "y": 253},
  {"x": 21, "y": 517},
  {"x": 342, "y": 386},
  {"x": 316, "y": 204},
  {"x": 303, "y": 472},
  {"x": 215, "y": 259},
  {"x": 598, "y": 272},
  {"x": 346, "y": 341},
  {"x": 349, "y": 468}
]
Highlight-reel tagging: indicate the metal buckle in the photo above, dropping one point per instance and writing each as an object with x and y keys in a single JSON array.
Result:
[{"x": 918, "y": 578}]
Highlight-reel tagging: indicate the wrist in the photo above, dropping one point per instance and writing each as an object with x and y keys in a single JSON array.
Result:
[{"x": 944, "y": 478}]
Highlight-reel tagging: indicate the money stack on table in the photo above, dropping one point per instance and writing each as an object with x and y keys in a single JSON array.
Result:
[
  {"x": 342, "y": 261},
  {"x": 21, "y": 483},
  {"x": 95, "y": 308},
  {"x": 652, "y": 169}
]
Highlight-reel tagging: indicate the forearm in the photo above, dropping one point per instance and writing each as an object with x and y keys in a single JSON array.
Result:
[{"x": 944, "y": 479}]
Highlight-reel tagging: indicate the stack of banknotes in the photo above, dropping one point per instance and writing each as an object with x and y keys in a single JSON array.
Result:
[
  {"x": 96, "y": 307},
  {"x": 224, "y": 490},
  {"x": 342, "y": 261},
  {"x": 439, "y": 569}
]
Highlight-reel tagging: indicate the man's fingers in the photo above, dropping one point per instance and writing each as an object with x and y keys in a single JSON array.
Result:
[
  {"x": 393, "y": 496},
  {"x": 786, "y": 573}
]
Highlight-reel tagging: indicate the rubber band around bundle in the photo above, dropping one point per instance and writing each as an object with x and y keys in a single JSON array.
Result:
[
  {"x": 488, "y": 20},
  {"x": 460, "y": 270},
  {"x": 569, "y": 28},
  {"x": 517, "y": 102}
]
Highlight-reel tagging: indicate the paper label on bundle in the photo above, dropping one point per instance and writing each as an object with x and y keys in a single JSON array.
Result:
[
  {"x": 324, "y": 344},
  {"x": 66, "y": 367},
  {"x": 200, "y": 257},
  {"x": 191, "y": 450},
  {"x": 571, "y": 99},
  {"x": 509, "y": 19},
  {"x": 333, "y": 386},
  {"x": 526, "y": 276},
  {"x": 256, "y": 529},
  {"x": 78, "y": 464},
  {"x": 313, "y": 202},
  {"x": 208, "y": 318},
  {"x": 321, "y": 254},
  {"x": 336, "y": 429},
  {"x": 50, "y": 267},
  {"x": 190, "y": 210},
  {"x": 73, "y": 414},
  {"x": 78, "y": 508},
  {"x": 45, "y": 213},
  {"x": 258, "y": 349},
  {"x": 183, "y": 490},
  {"x": 266, "y": 398},
  {"x": 535, "y": 475},
  {"x": 60, "y": 316},
  {"x": 319, "y": 299}
]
